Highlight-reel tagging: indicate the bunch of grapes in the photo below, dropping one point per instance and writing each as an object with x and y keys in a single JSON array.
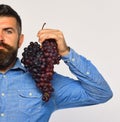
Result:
[{"x": 40, "y": 63}]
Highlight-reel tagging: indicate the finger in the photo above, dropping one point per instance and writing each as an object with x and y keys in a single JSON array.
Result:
[{"x": 47, "y": 36}]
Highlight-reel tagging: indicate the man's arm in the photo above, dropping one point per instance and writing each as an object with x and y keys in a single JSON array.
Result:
[{"x": 90, "y": 88}]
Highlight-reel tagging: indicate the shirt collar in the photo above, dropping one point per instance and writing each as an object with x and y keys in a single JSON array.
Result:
[{"x": 18, "y": 65}]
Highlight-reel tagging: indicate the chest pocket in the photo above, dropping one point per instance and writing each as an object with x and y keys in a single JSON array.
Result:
[{"x": 30, "y": 101}]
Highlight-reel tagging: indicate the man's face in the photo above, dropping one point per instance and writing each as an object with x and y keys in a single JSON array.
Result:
[{"x": 10, "y": 41}]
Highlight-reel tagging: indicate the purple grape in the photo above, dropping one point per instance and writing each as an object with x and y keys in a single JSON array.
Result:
[{"x": 40, "y": 63}]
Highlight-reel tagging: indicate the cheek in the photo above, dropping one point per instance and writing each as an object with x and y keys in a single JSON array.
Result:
[
  {"x": 14, "y": 45},
  {"x": 11, "y": 40}
]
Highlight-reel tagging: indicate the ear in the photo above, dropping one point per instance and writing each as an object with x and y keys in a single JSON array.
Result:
[{"x": 21, "y": 40}]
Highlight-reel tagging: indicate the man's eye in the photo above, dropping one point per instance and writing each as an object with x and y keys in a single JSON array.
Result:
[{"x": 8, "y": 31}]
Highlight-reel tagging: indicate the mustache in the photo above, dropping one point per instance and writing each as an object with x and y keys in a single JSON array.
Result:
[{"x": 5, "y": 45}]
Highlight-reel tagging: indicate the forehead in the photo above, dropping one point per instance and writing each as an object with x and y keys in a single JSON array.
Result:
[{"x": 8, "y": 22}]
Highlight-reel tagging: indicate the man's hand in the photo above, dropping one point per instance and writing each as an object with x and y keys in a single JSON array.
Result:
[{"x": 58, "y": 36}]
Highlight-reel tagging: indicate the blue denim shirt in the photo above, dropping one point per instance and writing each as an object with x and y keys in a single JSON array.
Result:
[{"x": 20, "y": 99}]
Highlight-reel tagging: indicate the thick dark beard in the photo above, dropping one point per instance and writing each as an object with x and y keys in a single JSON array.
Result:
[{"x": 7, "y": 56}]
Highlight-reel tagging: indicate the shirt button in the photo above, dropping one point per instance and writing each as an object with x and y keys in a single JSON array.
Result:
[
  {"x": 30, "y": 94},
  {"x": 2, "y": 114},
  {"x": 87, "y": 73},
  {"x": 73, "y": 59},
  {"x": 2, "y": 94},
  {"x": 4, "y": 76},
  {"x": 67, "y": 61}
]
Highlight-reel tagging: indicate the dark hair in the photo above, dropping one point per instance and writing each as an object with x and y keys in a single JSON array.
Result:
[{"x": 6, "y": 10}]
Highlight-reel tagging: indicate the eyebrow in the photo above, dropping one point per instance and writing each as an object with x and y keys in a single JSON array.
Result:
[{"x": 7, "y": 28}]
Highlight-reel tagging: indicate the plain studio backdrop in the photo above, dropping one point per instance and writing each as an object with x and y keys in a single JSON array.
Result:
[{"x": 92, "y": 28}]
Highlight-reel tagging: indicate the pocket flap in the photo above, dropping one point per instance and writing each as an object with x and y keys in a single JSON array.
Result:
[{"x": 30, "y": 93}]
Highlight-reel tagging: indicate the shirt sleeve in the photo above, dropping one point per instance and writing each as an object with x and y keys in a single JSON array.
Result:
[{"x": 90, "y": 88}]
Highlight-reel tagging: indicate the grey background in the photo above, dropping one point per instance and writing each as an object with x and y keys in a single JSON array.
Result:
[{"x": 92, "y": 28}]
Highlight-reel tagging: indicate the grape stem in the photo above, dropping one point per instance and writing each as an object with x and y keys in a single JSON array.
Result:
[{"x": 43, "y": 25}]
